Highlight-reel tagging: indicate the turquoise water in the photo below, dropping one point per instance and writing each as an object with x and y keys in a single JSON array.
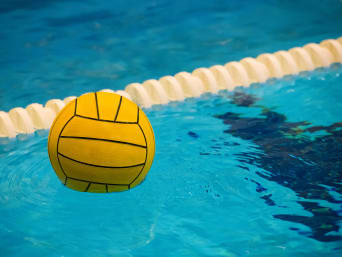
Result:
[
  {"x": 219, "y": 185},
  {"x": 255, "y": 172}
]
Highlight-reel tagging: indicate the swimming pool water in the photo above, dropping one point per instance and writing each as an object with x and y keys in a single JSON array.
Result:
[{"x": 256, "y": 172}]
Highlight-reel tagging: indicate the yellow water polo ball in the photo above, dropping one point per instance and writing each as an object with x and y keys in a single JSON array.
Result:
[{"x": 101, "y": 142}]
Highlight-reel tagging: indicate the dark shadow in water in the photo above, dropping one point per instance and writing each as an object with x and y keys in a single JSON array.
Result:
[
  {"x": 7, "y": 6},
  {"x": 310, "y": 167}
]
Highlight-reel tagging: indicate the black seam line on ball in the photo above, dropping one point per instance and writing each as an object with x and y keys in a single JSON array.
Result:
[
  {"x": 54, "y": 123},
  {"x": 145, "y": 156},
  {"x": 51, "y": 129},
  {"x": 94, "y": 182},
  {"x": 75, "y": 107},
  {"x": 97, "y": 107},
  {"x": 117, "y": 111},
  {"x": 100, "y": 166},
  {"x": 126, "y": 122},
  {"x": 138, "y": 116},
  {"x": 65, "y": 180},
  {"x": 86, "y": 190},
  {"x": 105, "y": 140},
  {"x": 59, "y": 162},
  {"x": 106, "y": 188},
  {"x": 121, "y": 122}
]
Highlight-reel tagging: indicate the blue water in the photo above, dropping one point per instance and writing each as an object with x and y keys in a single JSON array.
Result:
[
  {"x": 219, "y": 186},
  {"x": 255, "y": 172},
  {"x": 54, "y": 49}
]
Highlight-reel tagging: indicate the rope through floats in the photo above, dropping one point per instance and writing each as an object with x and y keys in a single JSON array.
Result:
[{"x": 183, "y": 85}]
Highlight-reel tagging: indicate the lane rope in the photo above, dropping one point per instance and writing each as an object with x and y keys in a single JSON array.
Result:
[{"x": 184, "y": 84}]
